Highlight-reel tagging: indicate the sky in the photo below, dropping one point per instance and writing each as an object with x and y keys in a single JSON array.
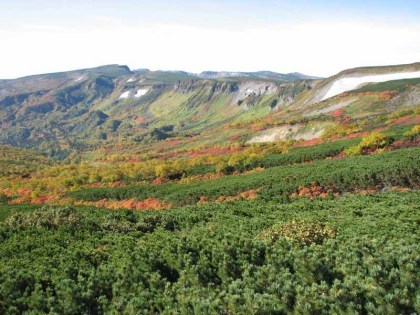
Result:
[{"x": 315, "y": 37}]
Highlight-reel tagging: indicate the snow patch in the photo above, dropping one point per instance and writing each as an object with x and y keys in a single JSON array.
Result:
[
  {"x": 141, "y": 92},
  {"x": 79, "y": 78},
  {"x": 126, "y": 94},
  {"x": 130, "y": 80},
  {"x": 350, "y": 83}
]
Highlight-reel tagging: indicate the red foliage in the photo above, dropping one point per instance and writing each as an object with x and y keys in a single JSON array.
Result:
[
  {"x": 24, "y": 192},
  {"x": 256, "y": 128},
  {"x": 356, "y": 135},
  {"x": 160, "y": 180},
  {"x": 173, "y": 142},
  {"x": 337, "y": 113},
  {"x": 387, "y": 95},
  {"x": 406, "y": 120},
  {"x": 42, "y": 199},
  {"x": 16, "y": 201},
  {"x": 405, "y": 143},
  {"x": 141, "y": 120},
  {"x": 233, "y": 138},
  {"x": 150, "y": 204},
  {"x": 308, "y": 143},
  {"x": 7, "y": 192},
  {"x": 346, "y": 120}
]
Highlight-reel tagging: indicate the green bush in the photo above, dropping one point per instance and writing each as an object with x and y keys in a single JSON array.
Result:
[{"x": 208, "y": 259}]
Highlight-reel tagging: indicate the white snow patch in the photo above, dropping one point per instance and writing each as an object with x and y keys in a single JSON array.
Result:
[
  {"x": 350, "y": 83},
  {"x": 79, "y": 78},
  {"x": 141, "y": 92},
  {"x": 126, "y": 94},
  {"x": 131, "y": 80}
]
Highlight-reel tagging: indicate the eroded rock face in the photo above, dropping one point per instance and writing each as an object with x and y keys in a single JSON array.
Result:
[{"x": 286, "y": 132}]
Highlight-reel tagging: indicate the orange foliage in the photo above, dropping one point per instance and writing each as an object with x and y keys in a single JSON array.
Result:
[
  {"x": 387, "y": 95},
  {"x": 248, "y": 195},
  {"x": 406, "y": 120},
  {"x": 268, "y": 119},
  {"x": 256, "y": 128},
  {"x": 24, "y": 192},
  {"x": 141, "y": 120},
  {"x": 337, "y": 113},
  {"x": 338, "y": 156},
  {"x": 308, "y": 143},
  {"x": 313, "y": 192},
  {"x": 356, "y": 135},
  {"x": 160, "y": 180},
  {"x": 173, "y": 142},
  {"x": 147, "y": 204},
  {"x": 203, "y": 199}
]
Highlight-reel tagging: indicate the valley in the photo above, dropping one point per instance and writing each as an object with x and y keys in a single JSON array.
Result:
[{"x": 167, "y": 192}]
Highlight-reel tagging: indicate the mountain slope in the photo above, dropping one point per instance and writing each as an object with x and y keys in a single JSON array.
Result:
[
  {"x": 267, "y": 75},
  {"x": 84, "y": 109},
  {"x": 353, "y": 78},
  {"x": 77, "y": 109}
]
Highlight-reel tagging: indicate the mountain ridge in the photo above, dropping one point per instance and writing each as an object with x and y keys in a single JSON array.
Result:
[{"x": 80, "y": 109}]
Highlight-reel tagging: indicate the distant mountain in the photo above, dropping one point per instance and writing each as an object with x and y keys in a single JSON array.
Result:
[
  {"x": 82, "y": 109},
  {"x": 50, "y": 81},
  {"x": 265, "y": 75},
  {"x": 269, "y": 75}
]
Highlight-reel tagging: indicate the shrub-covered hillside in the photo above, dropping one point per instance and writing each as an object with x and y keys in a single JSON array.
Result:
[
  {"x": 218, "y": 193},
  {"x": 213, "y": 258}
]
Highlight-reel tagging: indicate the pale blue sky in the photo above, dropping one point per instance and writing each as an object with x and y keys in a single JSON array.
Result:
[{"x": 313, "y": 37}]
